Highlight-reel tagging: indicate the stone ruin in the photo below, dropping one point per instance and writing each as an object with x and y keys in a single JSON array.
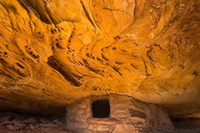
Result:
[
  {"x": 116, "y": 114},
  {"x": 55, "y": 52}
]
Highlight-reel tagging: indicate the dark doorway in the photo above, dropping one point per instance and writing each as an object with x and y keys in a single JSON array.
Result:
[{"x": 101, "y": 108}]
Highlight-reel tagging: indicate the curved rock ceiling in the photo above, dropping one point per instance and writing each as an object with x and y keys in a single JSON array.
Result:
[{"x": 53, "y": 52}]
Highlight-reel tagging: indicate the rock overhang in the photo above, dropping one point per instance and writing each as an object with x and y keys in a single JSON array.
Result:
[{"x": 51, "y": 57}]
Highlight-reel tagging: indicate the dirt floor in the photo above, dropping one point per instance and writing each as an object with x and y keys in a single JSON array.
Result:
[{"x": 23, "y": 123}]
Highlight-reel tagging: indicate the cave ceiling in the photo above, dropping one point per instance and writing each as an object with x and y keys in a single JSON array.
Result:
[{"x": 54, "y": 52}]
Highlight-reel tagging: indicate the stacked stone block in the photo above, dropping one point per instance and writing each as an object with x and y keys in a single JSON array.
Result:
[{"x": 127, "y": 115}]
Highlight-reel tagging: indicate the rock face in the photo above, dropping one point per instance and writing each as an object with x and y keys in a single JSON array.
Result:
[
  {"x": 53, "y": 52},
  {"x": 125, "y": 114}
]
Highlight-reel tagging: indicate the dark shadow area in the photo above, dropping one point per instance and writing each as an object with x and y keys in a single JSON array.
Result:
[
  {"x": 12, "y": 122},
  {"x": 23, "y": 116},
  {"x": 186, "y": 123},
  {"x": 101, "y": 108}
]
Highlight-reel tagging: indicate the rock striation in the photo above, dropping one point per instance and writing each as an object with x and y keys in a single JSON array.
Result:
[{"x": 54, "y": 52}]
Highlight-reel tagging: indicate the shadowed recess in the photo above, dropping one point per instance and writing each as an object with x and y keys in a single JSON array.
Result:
[{"x": 101, "y": 108}]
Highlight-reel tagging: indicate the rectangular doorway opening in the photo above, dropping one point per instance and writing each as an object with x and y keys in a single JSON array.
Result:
[{"x": 101, "y": 108}]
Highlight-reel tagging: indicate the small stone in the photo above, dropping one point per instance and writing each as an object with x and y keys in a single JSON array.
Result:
[
  {"x": 80, "y": 112},
  {"x": 18, "y": 123},
  {"x": 55, "y": 121},
  {"x": 29, "y": 121},
  {"x": 124, "y": 128},
  {"x": 11, "y": 127},
  {"x": 82, "y": 105},
  {"x": 42, "y": 121},
  {"x": 101, "y": 128},
  {"x": 121, "y": 116},
  {"x": 135, "y": 120},
  {"x": 31, "y": 126},
  {"x": 49, "y": 125},
  {"x": 6, "y": 122}
]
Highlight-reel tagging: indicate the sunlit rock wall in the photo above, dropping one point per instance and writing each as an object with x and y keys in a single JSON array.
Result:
[{"x": 53, "y": 52}]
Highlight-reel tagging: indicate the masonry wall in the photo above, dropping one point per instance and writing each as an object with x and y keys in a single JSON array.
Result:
[{"x": 127, "y": 115}]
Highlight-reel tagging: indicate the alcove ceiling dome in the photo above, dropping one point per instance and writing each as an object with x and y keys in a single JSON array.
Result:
[{"x": 54, "y": 52}]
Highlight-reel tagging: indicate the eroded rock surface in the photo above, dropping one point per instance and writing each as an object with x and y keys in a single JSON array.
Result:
[{"x": 53, "y": 52}]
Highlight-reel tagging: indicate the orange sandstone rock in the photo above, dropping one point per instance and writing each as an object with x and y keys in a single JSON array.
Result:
[{"x": 53, "y": 52}]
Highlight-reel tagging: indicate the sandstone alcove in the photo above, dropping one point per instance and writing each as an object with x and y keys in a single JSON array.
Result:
[{"x": 53, "y": 53}]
